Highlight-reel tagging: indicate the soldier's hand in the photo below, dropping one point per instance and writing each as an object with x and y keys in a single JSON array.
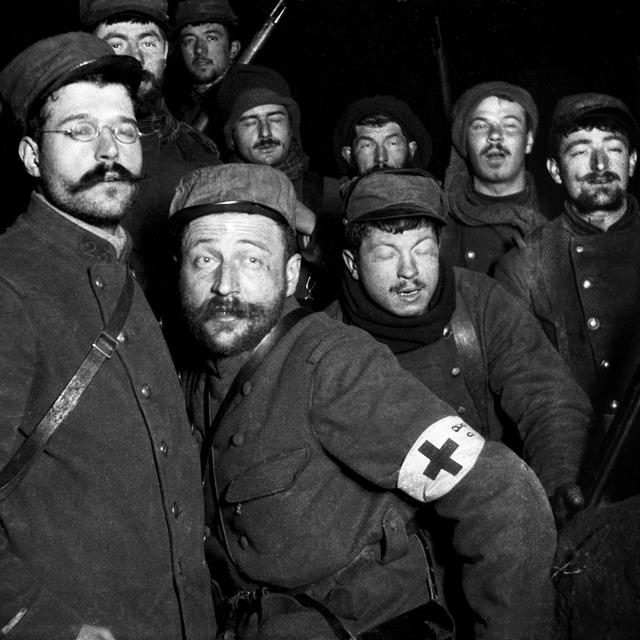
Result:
[
  {"x": 91, "y": 632},
  {"x": 566, "y": 501}
]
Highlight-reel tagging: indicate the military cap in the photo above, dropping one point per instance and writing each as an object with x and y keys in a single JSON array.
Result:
[
  {"x": 49, "y": 64},
  {"x": 235, "y": 188},
  {"x": 196, "y": 11},
  {"x": 469, "y": 100},
  {"x": 246, "y": 86},
  {"x": 92, "y": 12},
  {"x": 572, "y": 109},
  {"x": 394, "y": 193},
  {"x": 397, "y": 111}
]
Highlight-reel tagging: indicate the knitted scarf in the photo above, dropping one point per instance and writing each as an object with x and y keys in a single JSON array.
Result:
[
  {"x": 398, "y": 333},
  {"x": 473, "y": 209}
]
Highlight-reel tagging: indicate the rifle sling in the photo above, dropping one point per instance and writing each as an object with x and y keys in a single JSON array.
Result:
[{"x": 102, "y": 348}]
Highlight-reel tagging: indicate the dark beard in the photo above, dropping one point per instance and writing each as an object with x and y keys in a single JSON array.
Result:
[
  {"x": 587, "y": 200},
  {"x": 149, "y": 99},
  {"x": 261, "y": 319}
]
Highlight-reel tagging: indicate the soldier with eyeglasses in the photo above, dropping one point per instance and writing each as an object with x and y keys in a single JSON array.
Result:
[{"x": 101, "y": 539}]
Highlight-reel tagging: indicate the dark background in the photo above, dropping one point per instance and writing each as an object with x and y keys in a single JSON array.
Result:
[{"x": 335, "y": 51}]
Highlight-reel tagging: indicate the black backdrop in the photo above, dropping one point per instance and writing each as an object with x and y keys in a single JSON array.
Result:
[{"x": 335, "y": 51}]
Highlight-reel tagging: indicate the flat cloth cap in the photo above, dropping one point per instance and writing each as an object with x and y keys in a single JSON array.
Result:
[
  {"x": 195, "y": 11},
  {"x": 469, "y": 100},
  {"x": 570, "y": 110},
  {"x": 394, "y": 193},
  {"x": 397, "y": 111},
  {"x": 246, "y": 86},
  {"x": 49, "y": 64},
  {"x": 235, "y": 188},
  {"x": 92, "y": 12}
]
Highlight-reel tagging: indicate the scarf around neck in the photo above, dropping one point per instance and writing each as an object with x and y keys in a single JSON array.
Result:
[
  {"x": 398, "y": 333},
  {"x": 473, "y": 209}
]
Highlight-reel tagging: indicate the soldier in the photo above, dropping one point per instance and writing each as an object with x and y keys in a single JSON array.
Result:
[
  {"x": 101, "y": 521},
  {"x": 380, "y": 132},
  {"x": 322, "y": 448},
  {"x": 170, "y": 148},
  {"x": 262, "y": 126},
  {"x": 580, "y": 272},
  {"x": 205, "y": 34},
  {"x": 491, "y": 197}
]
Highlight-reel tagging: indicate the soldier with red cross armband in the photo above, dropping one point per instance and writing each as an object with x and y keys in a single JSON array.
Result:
[{"x": 322, "y": 457}]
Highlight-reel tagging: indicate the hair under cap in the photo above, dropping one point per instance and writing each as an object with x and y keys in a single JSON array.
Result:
[
  {"x": 394, "y": 193},
  {"x": 574, "y": 108},
  {"x": 235, "y": 188},
  {"x": 469, "y": 100},
  {"x": 49, "y": 64},
  {"x": 397, "y": 111}
]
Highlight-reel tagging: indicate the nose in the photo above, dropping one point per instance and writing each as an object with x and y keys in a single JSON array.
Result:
[
  {"x": 495, "y": 132},
  {"x": 380, "y": 154},
  {"x": 599, "y": 160},
  {"x": 407, "y": 268},
  {"x": 200, "y": 46},
  {"x": 107, "y": 145},
  {"x": 130, "y": 50},
  {"x": 224, "y": 282},
  {"x": 265, "y": 128}
]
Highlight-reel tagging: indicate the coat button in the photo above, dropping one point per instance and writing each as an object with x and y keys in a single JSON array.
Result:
[
  {"x": 455, "y": 371},
  {"x": 134, "y": 275},
  {"x": 99, "y": 282},
  {"x": 587, "y": 284},
  {"x": 237, "y": 439},
  {"x": 579, "y": 249},
  {"x": 244, "y": 542},
  {"x": 470, "y": 256},
  {"x": 192, "y": 428},
  {"x": 164, "y": 449},
  {"x": 605, "y": 364},
  {"x": 145, "y": 390},
  {"x": 122, "y": 337},
  {"x": 175, "y": 509},
  {"x": 246, "y": 388},
  {"x": 613, "y": 405},
  {"x": 446, "y": 332},
  {"x": 593, "y": 324},
  {"x": 460, "y": 410},
  {"x": 206, "y": 533}
]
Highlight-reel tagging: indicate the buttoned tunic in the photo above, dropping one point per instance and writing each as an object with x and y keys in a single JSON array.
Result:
[
  {"x": 308, "y": 462},
  {"x": 106, "y": 527},
  {"x": 583, "y": 284}
]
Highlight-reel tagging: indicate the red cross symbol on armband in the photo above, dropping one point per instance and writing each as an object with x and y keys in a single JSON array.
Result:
[{"x": 440, "y": 459}]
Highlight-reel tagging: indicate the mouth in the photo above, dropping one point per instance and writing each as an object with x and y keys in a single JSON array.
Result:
[{"x": 409, "y": 293}]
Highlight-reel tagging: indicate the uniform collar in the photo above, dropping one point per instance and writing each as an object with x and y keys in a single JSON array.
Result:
[{"x": 81, "y": 239}]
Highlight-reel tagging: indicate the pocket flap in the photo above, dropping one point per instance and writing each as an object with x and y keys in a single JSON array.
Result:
[{"x": 270, "y": 476}]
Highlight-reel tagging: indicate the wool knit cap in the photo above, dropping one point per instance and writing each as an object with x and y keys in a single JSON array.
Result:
[
  {"x": 93, "y": 12},
  {"x": 196, "y": 11},
  {"x": 570, "y": 110},
  {"x": 397, "y": 111},
  {"x": 246, "y": 86},
  {"x": 394, "y": 193},
  {"x": 469, "y": 100},
  {"x": 235, "y": 188},
  {"x": 49, "y": 64}
]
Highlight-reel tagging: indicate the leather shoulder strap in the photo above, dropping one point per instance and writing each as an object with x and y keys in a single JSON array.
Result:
[
  {"x": 468, "y": 346},
  {"x": 102, "y": 348}
]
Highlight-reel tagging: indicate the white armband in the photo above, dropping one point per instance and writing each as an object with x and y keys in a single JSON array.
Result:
[{"x": 443, "y": 454}]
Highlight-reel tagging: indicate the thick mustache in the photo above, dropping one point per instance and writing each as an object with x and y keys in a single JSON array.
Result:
[
  {"x": 99, "y": 174},
  {"x": 204, "y": 59},
  {"x": 267, "y": 142},
  {"x": 596, "y": 177}
]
